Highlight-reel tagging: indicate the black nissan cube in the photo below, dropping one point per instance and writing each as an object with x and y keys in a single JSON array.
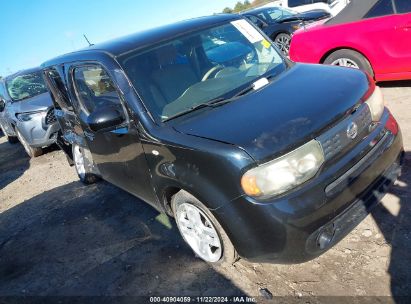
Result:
[{"x": 253, "y": 155}]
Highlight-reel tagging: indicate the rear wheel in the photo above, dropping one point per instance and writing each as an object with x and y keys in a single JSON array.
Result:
[
  {"x": 201, "y": 230},
  {"x": 31, "y": 151},
  {"x": 81, "y": 165},
  {"x": 350, "y": 59},
  {"x": 283, "y": 41}
]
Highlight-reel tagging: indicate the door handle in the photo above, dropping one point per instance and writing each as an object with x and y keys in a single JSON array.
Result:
[{"x": 405, "y": 27}]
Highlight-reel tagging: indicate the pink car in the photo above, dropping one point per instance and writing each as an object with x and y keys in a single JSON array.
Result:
[{"x": 372, "y": 35}]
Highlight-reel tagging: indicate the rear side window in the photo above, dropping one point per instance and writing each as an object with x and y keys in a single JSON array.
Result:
[
  {"x": 94, "y": 88},
  {"x": 381, "y": 8},
  {"x": 403, "y": 6},
  {"x": 294, "y": 3},
  {"x": 57, "y": 89}
]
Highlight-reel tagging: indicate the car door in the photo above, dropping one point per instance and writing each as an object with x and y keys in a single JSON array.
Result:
[
  {"x": 6, "y": 104},
  {"x": 117, "y": 153},
  {"x": 63, "y": 109},
  {"x": 388, "y": 32},
  {"x": 403, "y": 32},
  {"x": 2, "y": 106}
]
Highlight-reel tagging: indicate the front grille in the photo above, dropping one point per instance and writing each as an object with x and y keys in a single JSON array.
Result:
[
  {"x": 336, "y": 140},
  {"x": 50, "y": 117}
]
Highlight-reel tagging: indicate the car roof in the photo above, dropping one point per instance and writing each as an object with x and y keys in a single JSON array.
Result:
[
  {"x": 22, "y": 72},
  {"x": 354, "y": 11},
  {"x": 119, "y": 46}
]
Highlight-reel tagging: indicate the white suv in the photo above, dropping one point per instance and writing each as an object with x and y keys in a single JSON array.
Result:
[{"x": 332, "y": 6}]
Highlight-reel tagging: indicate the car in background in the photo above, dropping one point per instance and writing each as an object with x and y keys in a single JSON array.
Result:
[
  {"x": 27, "y": 113},
  {"x": 280, "y": 23},
  {"x": 372, "y": 35},
  {"x": 253, "y": 155},
  {"x": 5, "y": 126},
  {"x": 331, "y": 6}
]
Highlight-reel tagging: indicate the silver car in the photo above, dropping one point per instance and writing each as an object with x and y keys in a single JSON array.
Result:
[{"x": 26, "y": 111}]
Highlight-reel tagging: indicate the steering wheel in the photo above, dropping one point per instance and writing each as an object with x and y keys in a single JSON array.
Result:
[{"x": 211, "y": 71}]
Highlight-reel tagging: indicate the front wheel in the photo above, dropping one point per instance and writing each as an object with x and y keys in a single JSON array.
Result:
[
  {"x": 81, "y": 165},
  {"x": 283, "y": 41},
  {"x": 201, "y": 230},
  {"x": 31, "y": 151},
  {"x": 350, "y": 59},
  {"x": 10, "y": 139}
]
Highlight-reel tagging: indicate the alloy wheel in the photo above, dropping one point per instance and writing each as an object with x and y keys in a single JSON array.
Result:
[
  {"x": 283, "y": 43},
  {"x": 198, "y": 231},
  {"x": 345, "y": 62}
]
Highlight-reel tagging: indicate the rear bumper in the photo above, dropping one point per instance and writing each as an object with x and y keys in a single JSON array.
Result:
[{"x": 307, "y": 222}]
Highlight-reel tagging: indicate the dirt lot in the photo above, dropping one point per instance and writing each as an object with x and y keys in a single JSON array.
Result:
[{"x": 58, "y": 237}]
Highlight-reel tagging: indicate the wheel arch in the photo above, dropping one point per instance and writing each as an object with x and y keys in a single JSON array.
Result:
[
  {"x": 282, "y": 31},
  {"x": 328, "y": 53}
]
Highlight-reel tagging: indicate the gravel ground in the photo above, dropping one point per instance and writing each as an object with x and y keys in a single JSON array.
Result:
[{"x": 60, "y": 238}]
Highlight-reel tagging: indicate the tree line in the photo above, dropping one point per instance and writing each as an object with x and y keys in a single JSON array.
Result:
[{"x": 241, "y": 6}]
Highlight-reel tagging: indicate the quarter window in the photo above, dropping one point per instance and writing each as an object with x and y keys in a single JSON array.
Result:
[
  {"x": 95, "y": 88},
  {"x": 403, "y": 6},
  {"x": 381, "y": 8},
  {"x": 294, "y": 3},
  {"x": 57, "y": 89}
]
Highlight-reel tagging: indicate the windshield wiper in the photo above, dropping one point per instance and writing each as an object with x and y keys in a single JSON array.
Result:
[
  {"x": 220, "y": 100},
  {"x": 212, "y": 103}
]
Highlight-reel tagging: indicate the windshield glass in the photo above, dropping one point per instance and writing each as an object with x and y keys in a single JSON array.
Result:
[
  {"x": 26, "y": 86},
  {"x": 276, "y": 14},
  {"x": 193, "y": 69}
]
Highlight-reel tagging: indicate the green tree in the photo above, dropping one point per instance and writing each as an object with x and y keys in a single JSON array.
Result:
[{"x": 227, "y": 10}]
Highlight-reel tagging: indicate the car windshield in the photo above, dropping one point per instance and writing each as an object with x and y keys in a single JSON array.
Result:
[
  {"x": 183, "y": 73},
  {"x": 275, "y": 14},
  {"x": 26, "y": 86}
]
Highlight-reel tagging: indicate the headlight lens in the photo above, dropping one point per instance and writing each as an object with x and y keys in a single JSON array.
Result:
[
  {"x": 376, "y": 104},
  {"x": 285, "y": 172},
  {"x": 297, "y": 26},
  {"x": 30, "y": 115}
]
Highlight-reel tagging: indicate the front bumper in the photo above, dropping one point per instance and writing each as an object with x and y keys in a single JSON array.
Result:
[
  {"x": 37, "y": 133},
  {"x": 307, "y": 222}
]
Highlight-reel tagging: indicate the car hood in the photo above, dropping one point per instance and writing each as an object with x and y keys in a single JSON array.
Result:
[
  {"x": 37, "y": 103},
  {"x": 308, "y": 16},
  {"x": 314, "y": 15},
  {"x": 293, "y": 109},
  {"x": 312, "y": 26}
]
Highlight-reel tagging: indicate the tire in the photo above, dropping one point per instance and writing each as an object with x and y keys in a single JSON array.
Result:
[
  {"x": 283, "y": 41},
  {"x": 31, "y": 151},
  {"x": 222, "y": 250},
  {"x": 81, "y": 165},
  {"x": 352, "y": 58},
  {"x": 10, "y": 139}
]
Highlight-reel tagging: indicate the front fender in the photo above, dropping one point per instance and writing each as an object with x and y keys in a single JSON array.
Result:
[{"x": 209, "y": 170}]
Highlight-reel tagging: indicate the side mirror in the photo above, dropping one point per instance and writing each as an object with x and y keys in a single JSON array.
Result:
[
  {"x": 105, "y": 119},
  {"x": 2, "y": 104}
]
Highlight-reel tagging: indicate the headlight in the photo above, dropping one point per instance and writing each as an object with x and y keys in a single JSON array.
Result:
[
  {"x": 376, "y": 104},
  {"x": 30, "y": 115},
  {"x": 285, "y": 172},
  {"x": 297, "y": 26}
]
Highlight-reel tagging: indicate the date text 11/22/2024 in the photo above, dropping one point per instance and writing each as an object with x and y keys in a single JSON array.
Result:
[{"x": 233, "y": 299}]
